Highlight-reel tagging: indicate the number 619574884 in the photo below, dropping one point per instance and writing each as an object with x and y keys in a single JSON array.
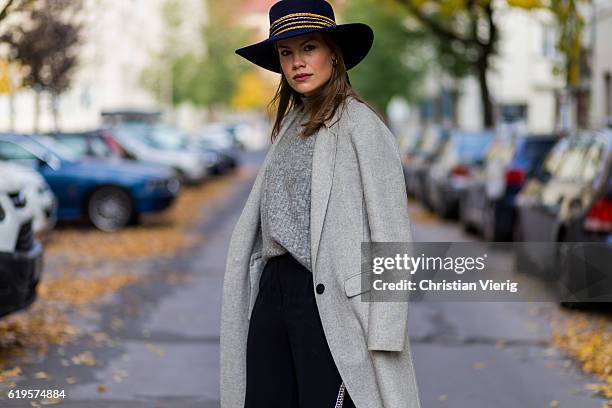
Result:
[{"x": 33, "y": 394}]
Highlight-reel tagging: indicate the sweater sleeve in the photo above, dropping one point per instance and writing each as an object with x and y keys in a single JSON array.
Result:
[{"x": 387, "y": 213}]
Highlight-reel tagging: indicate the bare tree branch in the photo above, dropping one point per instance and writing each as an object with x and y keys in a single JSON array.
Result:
[
  {"x": 5, "y": 9},
  {"x": 436, "y": 27}
]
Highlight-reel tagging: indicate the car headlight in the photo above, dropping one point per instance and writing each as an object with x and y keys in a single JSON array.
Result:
[
  {"x": 174, "y": 185},
  {"x": 171, "y": 185},
  {"x": 152, "y": 185}
]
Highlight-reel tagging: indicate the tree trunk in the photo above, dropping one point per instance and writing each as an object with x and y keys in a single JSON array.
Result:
[{"x": 488, "y": 117}]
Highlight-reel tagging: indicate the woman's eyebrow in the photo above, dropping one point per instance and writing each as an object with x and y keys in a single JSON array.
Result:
[{"x": 302, "y": 43}]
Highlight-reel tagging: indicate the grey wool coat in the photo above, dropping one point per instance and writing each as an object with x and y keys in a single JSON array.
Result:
[{"x": 357, "y": 194}]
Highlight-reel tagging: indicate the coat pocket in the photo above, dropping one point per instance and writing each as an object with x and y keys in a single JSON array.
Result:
[
  {"x": 256, "y": 265},
  {"x": 353, "y": 286}
]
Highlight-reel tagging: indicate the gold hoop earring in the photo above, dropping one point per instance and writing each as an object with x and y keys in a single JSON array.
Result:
[{"x": 334, "y": 62}]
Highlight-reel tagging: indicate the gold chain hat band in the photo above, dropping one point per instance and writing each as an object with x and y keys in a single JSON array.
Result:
[{"x": 299, "y": 20}]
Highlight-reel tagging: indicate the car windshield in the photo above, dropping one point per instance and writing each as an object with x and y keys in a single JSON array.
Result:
[
  {"x": 168, "y": 137},
  {"x": 216, "y": 135},
  {"x": 157, "y": 136},
  {"x": 77, "y": 144},
  {"x": 472, "y": 146},
  {"x": 531, "y": 152},
  {"x": 132, "y": 131},
  {"x": 53, "y": 147}
]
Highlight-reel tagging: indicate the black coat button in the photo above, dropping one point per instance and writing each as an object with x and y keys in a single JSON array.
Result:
[{"x": 320, "y": 288}]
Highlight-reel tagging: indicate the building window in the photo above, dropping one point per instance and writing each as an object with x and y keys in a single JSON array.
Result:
[
  {"x": 549, "y": 42},
  {"x": 512, "y": 113}
]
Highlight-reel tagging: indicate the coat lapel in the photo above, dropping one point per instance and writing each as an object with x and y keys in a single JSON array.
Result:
[{"x": 323, "y": 160}]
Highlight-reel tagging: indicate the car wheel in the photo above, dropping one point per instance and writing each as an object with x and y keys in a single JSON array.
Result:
[{"x": 110, "y": 208}]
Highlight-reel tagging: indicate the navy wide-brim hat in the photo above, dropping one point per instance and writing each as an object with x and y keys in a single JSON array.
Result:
[{"x": 291, "y": 18}]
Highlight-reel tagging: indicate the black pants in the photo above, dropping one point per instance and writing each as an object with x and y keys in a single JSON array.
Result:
[{"x": 289, "y": 364}]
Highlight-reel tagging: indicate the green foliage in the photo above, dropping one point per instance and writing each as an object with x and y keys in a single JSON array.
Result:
[
  {"x": 397, "y": 62},
  {"x": 570, "y": 24},
  {"x": 207, "y": 79},
  {"x": 214, "y": 77}
]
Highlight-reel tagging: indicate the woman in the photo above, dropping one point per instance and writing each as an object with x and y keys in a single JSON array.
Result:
[{"x": 294, "y": 333}]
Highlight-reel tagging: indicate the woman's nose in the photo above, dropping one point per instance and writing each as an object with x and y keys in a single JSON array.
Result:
[{"x": 298, "y": 61}]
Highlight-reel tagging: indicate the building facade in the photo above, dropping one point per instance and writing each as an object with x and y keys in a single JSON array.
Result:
[
  {"x": 521, "y": 81},
  {"x": 601, "y": 76},
  {"x": 121, "y": 39}
]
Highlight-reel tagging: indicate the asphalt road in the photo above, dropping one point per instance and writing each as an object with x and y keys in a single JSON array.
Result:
[{"x": 476, "y": 355}]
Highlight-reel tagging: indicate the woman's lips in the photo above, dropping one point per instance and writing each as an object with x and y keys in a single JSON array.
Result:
[{"x": 302, "y": 78}]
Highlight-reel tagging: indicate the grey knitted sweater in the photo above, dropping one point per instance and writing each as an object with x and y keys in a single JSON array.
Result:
[{"x": 285, "y": 201}]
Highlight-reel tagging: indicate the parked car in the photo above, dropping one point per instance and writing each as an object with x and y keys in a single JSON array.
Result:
[
  {"x": 218, "y": 139},
  {"x": 20, "y": 253},
  {"x": 172, "y": 138},
  {"x": 100, "y": 144},
  {"x": 40, "y": 201},
  {"x": 410, "y": 152},
  {"x": 108, "y": 194},
  {"x": 569, "y": 200},
  {"x": 434, "y": 139},
  {"x": 226, "y": 160},
  {"x": 488, "y": 202},
  {"x": 450, "y": 173},
  {"x": 97, "y": 143},
  {"x": 224, "y": 135},
  {"x": 148, "y": 144}
]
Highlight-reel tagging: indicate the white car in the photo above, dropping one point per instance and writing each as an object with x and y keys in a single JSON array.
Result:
[
  {"x": 20, "y": 252},
  {"x": 218, "y": 135},
  {"x": 40, "y": 200},
  {"x": 138, "y": 141}
]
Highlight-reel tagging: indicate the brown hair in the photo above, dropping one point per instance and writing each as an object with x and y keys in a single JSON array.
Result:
[{"x": 324, "y": 103}]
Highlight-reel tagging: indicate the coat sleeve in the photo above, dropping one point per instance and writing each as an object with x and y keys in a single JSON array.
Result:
[{"x": 386, "y": 205}]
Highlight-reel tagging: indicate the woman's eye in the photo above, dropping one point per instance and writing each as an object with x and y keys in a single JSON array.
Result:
[
  {"x": 284, "y": 53},
  {"x": 309, "y": 47}
]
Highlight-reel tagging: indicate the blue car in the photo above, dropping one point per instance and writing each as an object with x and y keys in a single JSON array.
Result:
[
  {"x": 109, "y": 194},
  {"x": 488, "y": 204}
]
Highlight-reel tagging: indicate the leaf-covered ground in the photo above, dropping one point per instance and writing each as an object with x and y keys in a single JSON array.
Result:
[
  {"x": 83, "y": 267},
  {"x": 587, "y": 337}
]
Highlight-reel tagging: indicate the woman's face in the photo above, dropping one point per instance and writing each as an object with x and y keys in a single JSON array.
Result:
[{"x": 306, "y": 62}]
